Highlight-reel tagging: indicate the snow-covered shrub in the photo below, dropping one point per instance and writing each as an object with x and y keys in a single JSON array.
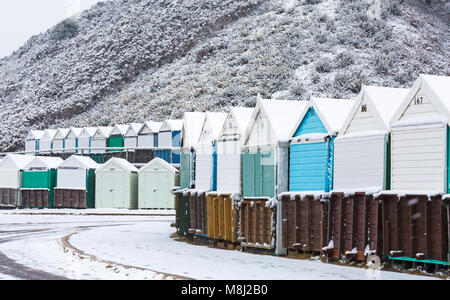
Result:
[
  {"x": 312, "y": 1},
  {"x": 348, "y": 81},
  {"x": 324, "y": 66},
  {"x": 64, "y": 30},
  {"x": 343, "y": 60}
]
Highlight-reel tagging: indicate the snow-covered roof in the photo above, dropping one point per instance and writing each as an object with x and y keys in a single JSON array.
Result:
[
  {"x": 383, "y": 101},
  {"x": 103, "y": 131},
  {"x": 215, "y": 120},
  {"x": 119, "y": 129},
  {"x": 75, "y": 131},
  {"x": 437, "y": 88},
  {"x": 282, "y": 116},
  {"x": 120, "y": 162},
  {"x": 80, "y": 161},
  {"x": 62, "y": 133},
  {"x": 88, "y": 131},
  {"x": 171, "y": 125},
  {"x": 242, "y": 115},
  {"x": 134, "y": 129},
  {"x": 152, "y": 126},
  {"x": 44, "y": 162},
  {"x": 332, "y": 112},
  {"x": 49, "y": 134},
  {"x": 35, "y": 134},
  {"x": 158, "y": 160},
  {"x": 192, "y": 128},
  {"x": 16, "y": 161}
]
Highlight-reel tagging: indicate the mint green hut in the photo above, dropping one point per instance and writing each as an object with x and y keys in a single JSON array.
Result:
[
  {"x": 39, "y": 181},
  {"x": 116, "y": 185}
]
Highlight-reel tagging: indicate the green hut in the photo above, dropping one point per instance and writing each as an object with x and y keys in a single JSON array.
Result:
[
  {"x": 116, "y": 185},
  {"x": 39, "y": 181}
]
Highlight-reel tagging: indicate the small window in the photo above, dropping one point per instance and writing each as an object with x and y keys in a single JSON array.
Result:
[{"x": 364, "y": 108}]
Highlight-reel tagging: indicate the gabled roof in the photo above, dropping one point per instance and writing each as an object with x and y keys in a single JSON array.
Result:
[
  {"x": 152, "y": 126},
  {"x": 44, "y": 162},
  {"x": 103, "y": 131},
  {"x": 88, "y": 131},
  {"x": 156, "y": 160},
  {"x": 75, "y": 131},
  {"x": 282, "y": 116},
  {"x": 119, "y": 129},
  {"x": 438, "y": 89},
  {"x": 62, "y": 133},
  {"x": 49, "y": 134},
  {"x": 134, "y": 129},
  {"x": 124, "y": 164},
  {"x": 383, "y": 102},
  {"x": 16, "y": 161},
  {"x": 332, "y": 113},
  {"x": 35, "y": 134},
  {"x": 171, "y": 125},
  {"x": 192, "y": 128},
  {"x": 242, "y": 115},
  {"x": 215, "y": 120},
  {"x": 80, "y": 161}
]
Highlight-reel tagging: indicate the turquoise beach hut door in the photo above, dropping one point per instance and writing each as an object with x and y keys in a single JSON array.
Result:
[
  {"x": 309, "y": 166},
  {"x": 310, "y": 163}
]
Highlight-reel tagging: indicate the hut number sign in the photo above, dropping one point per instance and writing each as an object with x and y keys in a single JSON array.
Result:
[{"x": 418, "y": 100}]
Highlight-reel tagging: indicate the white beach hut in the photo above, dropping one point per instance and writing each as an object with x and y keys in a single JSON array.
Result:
[
  {"x": 85, "y": 139},
  {"x": 229, "y": 149},
  {"x": 169, "y": 136},
  {"x": 361, "y": 155},
  {"x": 100, "y": 139},
  {"x": 32, "y": 141},
  {"x": 419, "y": 137},
  {"x": 75, "y": 186},
  {"x": 206, "y": 167},
  {"x": 71, "y": 141},
  {"x": 11, "y": 171},
  {"x": 131, "y": 136},
  {"x": 192, "y": 128},
  {"x": 148, "y": 135},
  {"x": 46, "y": 142},
  {"x": 59, "y": 139}
]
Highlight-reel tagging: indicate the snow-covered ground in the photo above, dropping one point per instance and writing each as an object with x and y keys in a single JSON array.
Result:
[
  {"x": 139, "y": 247},
  {"x": 97, "y": 211}
]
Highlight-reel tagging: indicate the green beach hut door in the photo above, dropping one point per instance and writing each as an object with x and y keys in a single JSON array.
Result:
[
  {"x": 155, "y": 195},
  {"x": 258, "y": 174},
  {"x": 161, "y": 190},
  {"x": 114, "y": 189}
]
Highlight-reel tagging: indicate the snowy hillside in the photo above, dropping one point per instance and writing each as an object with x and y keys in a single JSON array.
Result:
[{"x": 132, "y": 60}]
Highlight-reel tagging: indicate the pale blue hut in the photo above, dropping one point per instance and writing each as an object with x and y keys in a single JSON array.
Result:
[{"x": 312, "y": 144}]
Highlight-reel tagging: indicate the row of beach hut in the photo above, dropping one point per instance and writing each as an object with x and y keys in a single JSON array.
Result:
[
  {"x": 236, "y": 168},
  {"x": 79, "y": 182},
  {"x": 293, "y": 174},
  {"x": 163, "y": 135}
]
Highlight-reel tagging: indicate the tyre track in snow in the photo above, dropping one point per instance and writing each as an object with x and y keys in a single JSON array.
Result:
[
  {"x": 68, "y": 246},
  {"x": 14, "y": 269}
]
